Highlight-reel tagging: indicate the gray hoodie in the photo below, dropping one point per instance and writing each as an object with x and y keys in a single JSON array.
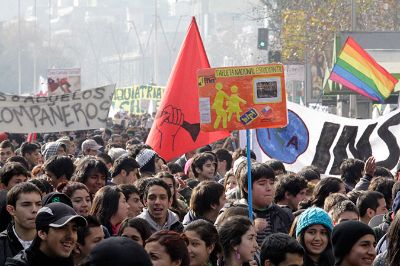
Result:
[{"x": 172, "y": 223}]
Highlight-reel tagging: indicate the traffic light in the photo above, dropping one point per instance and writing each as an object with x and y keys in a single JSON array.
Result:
[
  {"x": 274, "y": 56},
  {"x": 262, "y": 39}
]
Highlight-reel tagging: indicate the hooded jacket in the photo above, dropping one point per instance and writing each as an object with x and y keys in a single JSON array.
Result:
[{"x": 172, "y": 223}]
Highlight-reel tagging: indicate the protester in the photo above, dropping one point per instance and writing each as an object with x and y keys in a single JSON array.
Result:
[
  {"x": 391, "y": 255},
  {"x": 113, "y": 251},
  {"x": 290, "y": 190},
  {"x": 91, "y": 172},
  {"x": 31, "y": 152},
  {"x": 344, "y": 211},
  {"x": 6, "y": 151},
  {"x": 58, "y": 169},
  {"x": 110, "y": 207},
  {"x": 351, "y": 172},
  {"x": 23, "y": 202},
  {"x": 369, "y": 204},
  {"x": 204, "y": 245},
  {"x": 354, "y": 244},
  {"x": 135, "y": 228},
  {"x": 207, "y": 199},
  {"x": 168, "y": 248},
  {"x": 224, "y": 161},
  {"x": 132, "y": 197},
  {"x": 80, "y": 197},
  {"x": 11, "y": 174},
  {"x": 324, "y": 188},
  {"x": 204, "y": 166},
  {"x": 270, "y": 218},
  {"x": 88, "y": 237},
  {"x": 90, "y": 147},
  {"x": 281, "y": 249},
  {"x": 230, "y": 181},
  {"x": 125, "y": 170},
  {"x": 56, "y": 226},
  {"x": 178, "y": 206},
  {"x": 313, "y": 231},
  {"x": 157, "y": 199},
  {"x": 239, "y": 242}
]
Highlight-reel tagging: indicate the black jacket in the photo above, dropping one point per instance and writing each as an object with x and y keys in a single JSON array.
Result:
[
  {"x": 9, "y": 245},
  {"x": 34, "y": 257}
]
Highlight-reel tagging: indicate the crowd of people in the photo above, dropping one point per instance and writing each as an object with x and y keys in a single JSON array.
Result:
[{"x": 103, "y": 197}]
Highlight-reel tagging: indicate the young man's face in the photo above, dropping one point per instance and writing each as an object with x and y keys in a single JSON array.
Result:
[
  {"x": 59, "y": 242},
  {"x": 25, "y": 210},
  {"x": 157, "y": 202},
  {"x": 96, "y": 234},
  {"x": 135, "y": 205},
  {"x": 263, "y": 192},
  {"x": 33, "y": 157},
  {"x": 95, "y": 181},
  {"x": 5, "y": 153},
  {"x": 295, "y": 200},
  {"x": 16, "y": 179},
  {"x": 131, "y": 177},
  {"x": 207, "y": 171}
]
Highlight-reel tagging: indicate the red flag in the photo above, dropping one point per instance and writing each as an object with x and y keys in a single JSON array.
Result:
[
  {"x": 32, "y": 137},
  {"x": 176, "y": 128}
]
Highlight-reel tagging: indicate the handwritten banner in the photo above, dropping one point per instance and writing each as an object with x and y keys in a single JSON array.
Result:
[
  {"x": 242, "y": 97},
  {"x": 135, "y": 99},
  {"x": 79, "y": 110},
  {"x": 325, "y": 140}
]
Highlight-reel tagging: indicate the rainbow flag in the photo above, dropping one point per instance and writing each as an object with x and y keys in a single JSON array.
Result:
[{"x": 358, "y": 71}]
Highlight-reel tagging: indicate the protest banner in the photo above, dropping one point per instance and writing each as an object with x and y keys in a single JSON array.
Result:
[
  {"x": 242, "y": 97},
  {"x": 136, "y": 99},
  {"x": 61, "y": 81},
  {"x": 79, "y": 110},
  {"x": 325, "y": 140}
]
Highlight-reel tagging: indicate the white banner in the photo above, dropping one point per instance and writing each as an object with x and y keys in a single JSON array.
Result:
[
  {"x": 79, "y": 110},
  {"x": 325, "y": 140}
]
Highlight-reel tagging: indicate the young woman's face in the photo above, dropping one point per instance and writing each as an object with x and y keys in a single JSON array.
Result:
[
  {"x": 231, "y": 182},
  {"x": 81, "y": 202},
  {"x": 316, "y": 239},
  {"x": 122, "y": 211},
  {"x": 362, "y": 253},
  {"x": 248, "y": 245},
  {"x": 198, "y": 251},
  {"x": 158, "y": 255}
]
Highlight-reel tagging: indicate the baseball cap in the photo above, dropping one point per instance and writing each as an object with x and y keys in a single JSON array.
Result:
[
  {"x": 90, "y": 144},
  {"x": 57, "y": 215},
  {"x": 56, "y": 197}
]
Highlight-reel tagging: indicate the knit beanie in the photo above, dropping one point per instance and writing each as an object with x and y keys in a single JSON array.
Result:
[
  {"x": 146, "y": 160},
  {"x": 313, "y": 216},
  {"x": 119, "y": 251},
  {"x": 345, "y": 235}
]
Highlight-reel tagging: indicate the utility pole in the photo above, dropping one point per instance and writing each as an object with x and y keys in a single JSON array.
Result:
[
  {"x": 19, "y": 49},
  {"x": 353, "y": 98},
  {"x": 155, "y": 77}
]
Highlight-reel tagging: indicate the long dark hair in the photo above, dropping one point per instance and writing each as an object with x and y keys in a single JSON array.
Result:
[
  {"x": 231, "y": 232},
  {"x": 326, "y": 258},
  {"x": 105, "y": 204},
  {"x": 322, "y": 190},
  {"x": 393, "y": 238},
  {"x": 209, "y": 234}
]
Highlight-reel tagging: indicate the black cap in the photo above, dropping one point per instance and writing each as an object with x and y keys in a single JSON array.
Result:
[
  {"x": 113, "y": 251},
  {"x": 56, "y": 197},
  {"x": 56, "y": 215}
]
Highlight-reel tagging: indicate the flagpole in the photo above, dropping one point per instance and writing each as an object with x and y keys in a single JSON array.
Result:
[{"x": 249, "y": 183}]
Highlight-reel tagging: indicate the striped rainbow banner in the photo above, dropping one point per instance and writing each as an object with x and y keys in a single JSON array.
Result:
[{"x": 358, "y": 71}]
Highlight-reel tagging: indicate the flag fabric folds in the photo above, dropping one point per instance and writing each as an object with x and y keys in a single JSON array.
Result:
[
  {"x": 176, "y": 127},
  {"x": 358, "y": 71}
]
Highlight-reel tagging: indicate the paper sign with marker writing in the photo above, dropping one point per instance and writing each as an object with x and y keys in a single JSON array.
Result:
[{"x": 242, "y": 97}]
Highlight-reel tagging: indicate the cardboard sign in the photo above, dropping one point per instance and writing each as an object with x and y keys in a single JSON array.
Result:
[
  {"x": 242, "y": 97},
  {"x": 79, "y": 110}
]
